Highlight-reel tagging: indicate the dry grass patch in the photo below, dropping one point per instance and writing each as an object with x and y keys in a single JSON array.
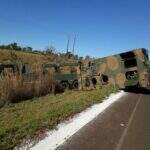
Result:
[
  {"x": 14, "y": 89},
  {"x": 31, "y": 58}
]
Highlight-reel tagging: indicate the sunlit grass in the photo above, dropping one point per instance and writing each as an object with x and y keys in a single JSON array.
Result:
[{"x": 25, "y": 119}]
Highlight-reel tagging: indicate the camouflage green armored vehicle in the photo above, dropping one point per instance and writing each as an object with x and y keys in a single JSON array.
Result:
[
  {"x": 65, "y": 75},
  {"x": 11, "y": 67},
  {"x": 18, "y": 67},
  {"x": 7, "y": 67},
  {"x": 87, "y": 75},
  {"x": 125, "y": 70}
]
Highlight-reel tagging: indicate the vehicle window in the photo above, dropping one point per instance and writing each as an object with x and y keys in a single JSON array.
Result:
[
  {"x": 130, "y": 63},
  {"x": 131, "y": 75}
]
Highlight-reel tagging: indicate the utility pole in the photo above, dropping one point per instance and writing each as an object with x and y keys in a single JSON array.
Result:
[
  {"x": 74, "y": 42},
  {"x": 68, "y": 41}
]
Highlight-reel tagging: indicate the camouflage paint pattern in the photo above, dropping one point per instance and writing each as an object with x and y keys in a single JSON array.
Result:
[
  {"x": 18, "y": 67},
  {"x": 64, "y": 74},
  {"x": 125, "y": 69}
]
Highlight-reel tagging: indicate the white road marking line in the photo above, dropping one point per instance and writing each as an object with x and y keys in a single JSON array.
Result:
[
  {"x": 119, "y": 145},
  {"x": 65, "y": 130}
]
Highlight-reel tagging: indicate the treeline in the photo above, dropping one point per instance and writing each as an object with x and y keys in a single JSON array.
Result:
[
  {"x": 49, "y": 50},
  {"x": 15, "y": 46}
]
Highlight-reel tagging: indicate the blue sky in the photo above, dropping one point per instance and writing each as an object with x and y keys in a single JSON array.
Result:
[{"x": 103, "y": 27}]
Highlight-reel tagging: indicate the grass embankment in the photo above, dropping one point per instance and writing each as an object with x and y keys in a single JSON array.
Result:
[
  {"x": 32, "y": 58},
  {"x": 26, "y": 119}
]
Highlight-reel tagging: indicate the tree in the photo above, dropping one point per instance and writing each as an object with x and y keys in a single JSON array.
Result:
[
  {"x": 87, "y": 57},
  {"x": 14, "y": 46},
  {"x": 80, "y": 58},
  {"x": 50, "y": 50},
  {"x": 76, "y": 57},
  {"x": 28, "y": 48},
  {"x": 69, "y": 55}
]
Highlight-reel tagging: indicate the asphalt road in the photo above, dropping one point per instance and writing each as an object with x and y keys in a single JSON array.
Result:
[{"x": 125, "y": 125}]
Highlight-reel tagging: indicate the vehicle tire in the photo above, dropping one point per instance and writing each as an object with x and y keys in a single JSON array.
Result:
[
  {"x": 58, "y": 89},
  {"x": 87, "y": 82},
  {"x": 94, "y": 82},
  {"x": 64, "y": 85},
  {"x": 75, "y": 85}
]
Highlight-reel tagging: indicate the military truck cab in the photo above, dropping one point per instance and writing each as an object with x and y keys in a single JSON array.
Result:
[{"x": 66, "y": 75}]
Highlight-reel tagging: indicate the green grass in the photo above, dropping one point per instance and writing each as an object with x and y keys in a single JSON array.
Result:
[{"x": 26, "y": 119}]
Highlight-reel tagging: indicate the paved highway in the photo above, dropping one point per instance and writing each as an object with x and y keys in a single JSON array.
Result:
[{"x": 125, "y": 125}]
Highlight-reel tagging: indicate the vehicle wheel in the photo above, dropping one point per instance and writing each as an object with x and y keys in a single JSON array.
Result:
[
  {"x": 58, "y": 89},
  {"x": 75, "y": 85},
  {"x": 87, "y": 82},
  {"x": 64, "y": 85}
]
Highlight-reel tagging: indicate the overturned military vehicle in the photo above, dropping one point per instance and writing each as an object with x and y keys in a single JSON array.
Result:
[
  {"x": 65, "y": 75},
  {"x": 125, "y": 69}
]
